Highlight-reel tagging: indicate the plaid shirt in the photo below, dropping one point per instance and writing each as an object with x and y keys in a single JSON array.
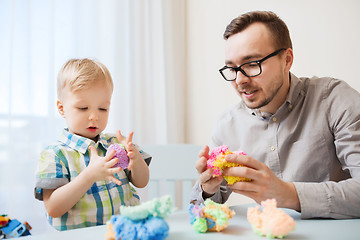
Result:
[{"x": 62, "y": 162}]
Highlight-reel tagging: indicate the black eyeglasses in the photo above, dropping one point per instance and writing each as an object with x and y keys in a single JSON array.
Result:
[{"x": 249, "y": 69}]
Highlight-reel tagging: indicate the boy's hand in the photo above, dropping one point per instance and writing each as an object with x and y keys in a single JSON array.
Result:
[
  {"x": 100, "y": 168},
  {"x": 139, "y": 169},
  {"x": 60, "y": 200},
  {"x": 132, "y": 152}
]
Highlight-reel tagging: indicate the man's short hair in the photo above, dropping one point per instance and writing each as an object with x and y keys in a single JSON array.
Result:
[{"x": 276, "y": 26}]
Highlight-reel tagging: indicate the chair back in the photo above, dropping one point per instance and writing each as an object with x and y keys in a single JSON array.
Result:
[{"x": 172, "y": 171}]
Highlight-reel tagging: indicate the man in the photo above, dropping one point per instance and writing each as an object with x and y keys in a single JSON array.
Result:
[{"x": 301, "y": 135}]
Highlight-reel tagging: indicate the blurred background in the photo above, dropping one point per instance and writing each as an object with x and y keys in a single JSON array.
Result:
[{"x": 164, "y": 57}]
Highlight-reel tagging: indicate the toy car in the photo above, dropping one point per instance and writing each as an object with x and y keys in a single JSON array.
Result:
[{"x": 12, "y": 228}]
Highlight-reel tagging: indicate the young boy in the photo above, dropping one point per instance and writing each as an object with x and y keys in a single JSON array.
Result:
[{"x": 75, "y": 178}]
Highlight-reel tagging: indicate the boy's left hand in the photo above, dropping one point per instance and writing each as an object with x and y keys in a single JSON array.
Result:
[{"x": 132, "y": 152}]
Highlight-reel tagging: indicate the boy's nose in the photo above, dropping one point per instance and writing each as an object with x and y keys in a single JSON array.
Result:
[{"x": 93, "y": 116}]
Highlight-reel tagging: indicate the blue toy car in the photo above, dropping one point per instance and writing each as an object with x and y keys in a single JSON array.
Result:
[{"x": 14, "y": 229}]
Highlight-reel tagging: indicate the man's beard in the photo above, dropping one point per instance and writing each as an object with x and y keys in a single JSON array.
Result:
[{"x": 263, "y": 103}]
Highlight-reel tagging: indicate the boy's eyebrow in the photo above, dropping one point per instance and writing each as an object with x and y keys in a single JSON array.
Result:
[{"x": 107, "y": 102}]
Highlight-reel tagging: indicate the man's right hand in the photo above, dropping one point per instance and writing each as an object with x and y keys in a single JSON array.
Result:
[{"x": 209, "y": 184}]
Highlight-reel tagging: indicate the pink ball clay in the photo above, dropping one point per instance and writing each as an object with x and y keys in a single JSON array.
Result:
[
  {"x": 218, "y": 163},
  {"x": 121, "y": 154}
]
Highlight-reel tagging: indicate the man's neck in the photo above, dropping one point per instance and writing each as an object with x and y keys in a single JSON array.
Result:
[{"x": 279, "y": 99}]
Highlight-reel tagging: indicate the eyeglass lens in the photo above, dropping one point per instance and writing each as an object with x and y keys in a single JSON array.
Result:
[{"x": 248, "y": 69}]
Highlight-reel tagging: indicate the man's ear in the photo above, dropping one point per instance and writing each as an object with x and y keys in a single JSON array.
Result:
[
  {"x": 289, "y": 58},
  {"x": 60, "y": 108}
]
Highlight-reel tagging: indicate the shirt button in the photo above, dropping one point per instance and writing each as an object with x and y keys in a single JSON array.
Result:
[
  {"x": 274, "y": 119},
  {"x": 272, "y": 148}
]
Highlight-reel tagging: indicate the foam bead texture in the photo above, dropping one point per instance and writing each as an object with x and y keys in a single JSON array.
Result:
[
  {"x": 121, "y": 154},
  {"x": 218, "y": 163}
]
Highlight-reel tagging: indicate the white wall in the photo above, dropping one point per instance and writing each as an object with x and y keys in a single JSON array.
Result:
[{"x": 325, "y": 34}]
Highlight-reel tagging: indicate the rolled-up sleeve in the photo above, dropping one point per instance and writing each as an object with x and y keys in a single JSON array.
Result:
[
  {"x": 220, "y": 196},
  {"x": 51, "y": 172}
]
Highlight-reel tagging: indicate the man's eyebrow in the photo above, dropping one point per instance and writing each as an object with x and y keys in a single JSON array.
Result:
[
  {"x": 245, "y": 59},
  {"x": 228, "y": 62},
  {"x": 255, "y": 56}
]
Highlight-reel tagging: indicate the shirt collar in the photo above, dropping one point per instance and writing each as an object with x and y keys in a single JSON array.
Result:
[
  {"x": 79, "y": 143},
  {"x": 296, "y": 89},
  {"x": 257, "y": 112}
]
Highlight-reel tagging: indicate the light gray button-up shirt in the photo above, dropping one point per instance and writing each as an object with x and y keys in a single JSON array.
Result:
[{"x": 312, "y": 140}]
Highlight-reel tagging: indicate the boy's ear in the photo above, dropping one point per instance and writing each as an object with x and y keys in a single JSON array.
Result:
[{"x": 60, "y": 108}]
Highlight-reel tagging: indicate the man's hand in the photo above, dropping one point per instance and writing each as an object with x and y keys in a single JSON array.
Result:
[
  {"x": 209, "y": 184},
  {"x": 264, "y": 183}
]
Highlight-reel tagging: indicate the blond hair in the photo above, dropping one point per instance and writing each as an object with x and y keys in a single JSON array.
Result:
[{"x": 79, "y": 74}]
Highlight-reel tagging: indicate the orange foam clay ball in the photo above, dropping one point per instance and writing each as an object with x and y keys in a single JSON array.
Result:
[{"x": 272, "y": 222}]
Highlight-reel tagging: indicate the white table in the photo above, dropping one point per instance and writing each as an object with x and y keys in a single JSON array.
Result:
[{"x": 239, "y": 228}]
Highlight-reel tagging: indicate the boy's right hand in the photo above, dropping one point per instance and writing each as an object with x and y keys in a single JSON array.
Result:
[
  {"x": 209, "y": 184},
  {"x": 101, "y": 168}
]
